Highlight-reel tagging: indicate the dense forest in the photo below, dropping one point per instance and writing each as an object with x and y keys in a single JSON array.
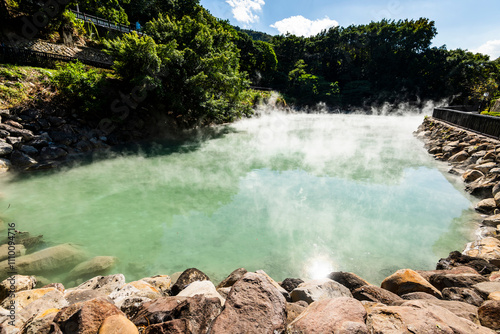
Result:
[{"x": 195, "y": 67}]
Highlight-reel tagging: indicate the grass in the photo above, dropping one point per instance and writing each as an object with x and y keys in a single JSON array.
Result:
[
  {"x": 23, "y": 84},
  {"x": 491, "y": 113}
]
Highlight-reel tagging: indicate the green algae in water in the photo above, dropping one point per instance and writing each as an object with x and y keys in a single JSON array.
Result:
[{"x": 295, "y": 195}]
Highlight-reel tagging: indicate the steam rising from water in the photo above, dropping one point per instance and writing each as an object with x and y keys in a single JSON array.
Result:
[{"x": 294, "y": 195}]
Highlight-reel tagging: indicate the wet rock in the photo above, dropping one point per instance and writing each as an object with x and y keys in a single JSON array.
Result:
[
  {"x": 375, "y": 294},
  {"x": 18, "y": 250},
  {"x": 48, "y": 260},
  {"x": 39, "y": 143},
  {"x": 405, "y": 281},
  {"x": 441, "y": 281},
  {"x": 319, "y": 289},
  {"x": 161, "y": 282},
  {"x": 20, "y": 159},
  {"x": 232, "y": 278},
  {"x": 472, "y": 175},
  {"x": 205, "y": 288},
  {"x": 16, "y": 283},
  {"x": 5, "y": 149},
  {"x": 459, "y": 157},
  {"x": 117, "y": 324},
  {"x": 99, "y": 265},
  {"x": 199, "y": 311},
  {"x": 85, "y": 317},
  {"x": 418, "y": 295},
  {"x": 340, "y": 315},
  {"x": 489, "y": 314},
  {"x": 485, "y": 288},
  {"x": 493, "y": 221},
  {"x": 187, "y": 277},
  {"x": 291, "y": 283},
  {"x": 419, "y": 317},
  {"x": 486, "y": 206},
  {"x": 466, "y": 295},
  {"x": 5, "y": 165},
  {"x": 106, "y": 284},
  {"x": 293, "y": 310},
  {"x": 52, "y": 153},
  {"x": 254, "y": 305},
  {"x": 349, "y": 280}
]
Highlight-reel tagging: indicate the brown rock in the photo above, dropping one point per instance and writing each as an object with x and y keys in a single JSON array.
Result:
[
  {"x": 199, "y": 311},
  {"x": 418, "y": 295},
  {"x": 454, "y": 270},
  {"x": 494, "y": 295},
  {"x": 485, "y": 288},
  {"x": 419, "y": 317},
  {"x": 291, "y": 283},
  {"x": 486, "y": 248},
  {"x": 486, "y": 206},
  {"x": 339, "y": 315},
  {"x": 85, "y": 317},
  {"x": 460, "y": 309},
  {"x": 459, "y": 157},
  {"x": 493, "y": 221},
  {"x": 117, "y": 324},
  {"x": 105, "y": 284},
  {"x": 16, "y": 283},
  {"x": 405, "y": 281},
  {"x": 161, "y": 282},
  {"x": 375, "y": 294},
  {"x": 456, "y": 259},
  {"x": 495, "y": 276},
  {"x": 82, "y": 295},
  {"x": 441, "y": 281},
  {"x": 176, "y": 326},
  {"x": 40, "y": 324},
  {"x": 472, "y": 175},
  {"x": 315, "y": 290},
  {"x": 465, "y": 295},
  {"x": 349, "y": 280},
  {"x": 254, "y": 305},
  {"x": 293, "y": 310},
  {"x": 187, "y": 277},
  {"x": 489, "y": 314},
  {"x": 232, "y": 278}
]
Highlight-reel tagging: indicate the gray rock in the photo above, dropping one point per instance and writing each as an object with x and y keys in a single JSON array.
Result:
[
  {"x": 205, "y": 288},
  {"x": 5, "y": 149},
  {"x": 103, "y": 283},
  {"x": 52, "y": 153},
  {"x": 99, "y": 265},
  {"x": 29, "y": 150},
  {"x": 19, "y": 159},
  {"x": 134, "y": 290},
  {"x": 15, "y": 132},
  {"x": 16, "y": 283},
  {"x": 18, "y": 250},
  {"x": 291, "y": 283},
  {"x": 417, "y": 296},
  {"x": 5, "y": 165},
  {"x": 492, "y": 221},
  {"x": 187, "y": 277},
  {"x": 311, "y": 291},
  {"x": 232, "y": 278}
]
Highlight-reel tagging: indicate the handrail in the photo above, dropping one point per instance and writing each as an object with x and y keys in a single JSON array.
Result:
[
  {"x": 483, "y": 124},
  {"x": 105, "y": 23}
]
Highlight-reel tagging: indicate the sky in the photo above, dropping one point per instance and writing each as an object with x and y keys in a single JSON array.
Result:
[{"x": 465, "y": 24}]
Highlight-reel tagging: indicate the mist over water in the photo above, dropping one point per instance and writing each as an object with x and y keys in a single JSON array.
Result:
[{"x": 295, "y": 195}]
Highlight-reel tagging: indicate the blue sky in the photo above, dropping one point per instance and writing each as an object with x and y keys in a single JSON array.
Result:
[{"x": 465, "y": 24}]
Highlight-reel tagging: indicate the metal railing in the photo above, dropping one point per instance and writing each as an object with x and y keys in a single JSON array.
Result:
[
  {"x": 105, "y": 23},
  {"x": 484, "y": 124}
]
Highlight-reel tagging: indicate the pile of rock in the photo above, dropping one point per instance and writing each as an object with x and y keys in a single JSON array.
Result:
[{"x": 457, "y": 300}]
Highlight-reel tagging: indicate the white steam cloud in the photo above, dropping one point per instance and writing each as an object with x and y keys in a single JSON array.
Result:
[
  {"x": 490, "y": 48},
  {"x": 244, "y": 10},
  {"x": 301, "y": 26}
]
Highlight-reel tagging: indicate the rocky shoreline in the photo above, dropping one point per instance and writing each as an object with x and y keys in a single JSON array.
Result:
[{"x": 461, "y": 296}]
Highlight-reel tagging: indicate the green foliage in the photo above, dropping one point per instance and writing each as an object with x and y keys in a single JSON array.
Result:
[{"x": 80, "y": 85}]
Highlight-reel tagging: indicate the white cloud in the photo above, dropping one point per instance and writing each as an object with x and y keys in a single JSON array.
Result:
[
  {"x": 244, "y": 10},
  {"x": 491, "y": 48},
  {"x": 300, "y": 26}
]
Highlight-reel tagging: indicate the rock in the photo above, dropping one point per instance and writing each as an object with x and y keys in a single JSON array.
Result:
[
  {"x": 495, "y": 276},
  {"x": 187, "y": 277},
  {"x": 85, "y": 317},
  {"x": 176, "y": 326},
  {"x": 276, "y": 285},
  {"x": 232, "y": 278},
  {"x": 254, "y": 305},
  {"x": 16, "y": 251},
  {"x": 106, "y": 284},
  {"x": 418, "y": 295},
  {"x": 494, "y": 295},
  {"x": 293, "y": 310},
  {"x": 99, "y": 265},
  {"x": 339, "y": 315},
  {"x": 493, "y": 221},
  {"x": 199, "y": 311},
  {"x": 485, "y": 288},
  {"x": 349, "y": 280},
  {"x": 486, "y": 206},
  {"x": 481, "y": 188},
  {"x": 419, "y": 317},
  {"x": 441, "y": 281},
  {"x": 15, "y": 132},
  {"x": 161, "y": 282},
  {"x": 460, "y": 309},
  {"x": 19, "y": 159},
  {"x": 5, "y": 165},
  {"x": 485, "y": 168},
  {"x": 40, "y": 324},
  {"x": 175, "y": 276},
  {"x": 205, "y": 288},
  {"x": 14, "y": 140},
  {"x": 457, "y": 259},
  {"x": 13, "y": 123},
  {"x": 4, "y": 134},
  {"x": 486, "y": 248},
  {"x": 5, "y": 149},
  {"x": 497, "y": 199},
  {"x": 291, "y": 283},
  {"x": 465, "y": 295},
  {"x": 472, "y": 175},
  {"x": 58, "y": 286},
  {"x": 131, "y": 306},
  {"x": 405, "y": 281},
  {"x": 460, "y": 269},
  {"x": 489, "y": 314},
  {"x": 83, "y": 295},
  {"x": 224, "y": 292},
  {"x": 117, "y": 324},
  {"x": 52, "y": 153},
  {"x": 29, "y": 150},
  {"x": 48, "y": 260},
  {"x": 16, "y": 283},
  {"x": 496, "y": 187},
  {"x": 459, "y": 157},
  {"x": 375, "y": 294},
  {"x": 319, "y": 289}
]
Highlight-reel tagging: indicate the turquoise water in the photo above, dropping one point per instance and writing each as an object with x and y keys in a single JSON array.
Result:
[{"x": 295, "y": 195}]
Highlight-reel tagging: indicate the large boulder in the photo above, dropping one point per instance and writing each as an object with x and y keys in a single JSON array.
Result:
[
  {"x": 16, "y": 283},
  {"x": 205, "y": 288},
  {"x": 85, "y": 317},
  {"x": 40, "y": 324},
  {"x": 105, "y": 284},
  {"x": 486, "y": 248},
  {"x": 187, "y": 277},
  {"x": 291, "y": 283},
  {"x": 198, "y": 311},
  {"x": 459, "y": 157},
  {"x": 489, "y": 314},
  {"x": 254, "y": 305},
  {"x": 161, "y": 282},
  {"x": 466, "y": 295},
  {"x": 99, "y": 265},
  {"x": 232, "y": 278},
  {"x": 419, "y": 317},
  {"x": 349, "y": 280},
  {"x": 486, "y": 206},
  {"x": 485, "y": 288},
  {"x": 117, "y": 324},
  {"x": 457, "y": 259},
  {"x": 51, "y": 259},
  {"x": 339, "y": 315},
  {"x": 472, "y": 175},
  {"x": 375, "y": 294},
  {"x": 492, "y": 221},
  {"x": 314, "y": 290},
  {"x": 406, "y": 280},
  {"x": 5, "y": 148},
  {"x": 133, "y": 291},
  {"x": 442, "y": 281},
  {"x": 460, "y": 309}
]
